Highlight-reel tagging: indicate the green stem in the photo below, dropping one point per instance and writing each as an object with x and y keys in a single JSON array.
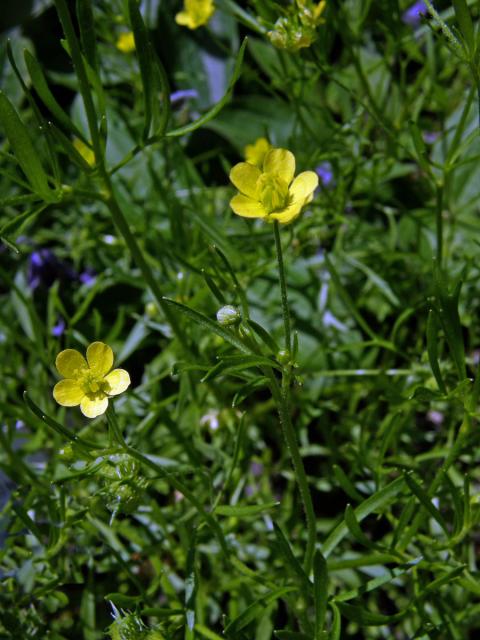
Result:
[
  {"x": 282, "y": 400},
  {"x": 283, "y": 287},
  {"x": 281, "y": 397},
  {"x": 172, "y": 480},
  {"x": 439, "y": 223}
]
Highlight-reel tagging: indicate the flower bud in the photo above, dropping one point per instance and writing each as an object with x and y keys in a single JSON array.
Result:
[
  {"x": 228, "y": 316},
  {"x": 284, "y": 356}
]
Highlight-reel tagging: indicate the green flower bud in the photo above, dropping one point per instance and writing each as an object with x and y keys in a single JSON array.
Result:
[
  {"x": 228, "y": 316},
  {"x": 284, "y": 356}
]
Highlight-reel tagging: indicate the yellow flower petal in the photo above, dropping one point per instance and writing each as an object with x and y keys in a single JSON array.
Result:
[
  {"x": 281, "y": 162},
  {"x": 126, "y": 42},
  {"x": 303, "y": 186},
  {"x": 100, "y": 358},
  {"x": 68, "y": 392},
  {"x": 119, "y": 380},
  {"x": 246, "y": 207},
  {"x": 255, "y": 153},
  {"x": 70, "y": 363},
  {"x": 93, "y": 408},
  {"x": 244, "y": 176},
  {"x": 289, "y": 214}
]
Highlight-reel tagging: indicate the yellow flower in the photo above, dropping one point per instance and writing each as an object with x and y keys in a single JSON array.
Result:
[
  {"x": 318, "y": 10},
  {"x": 88, "y": 383},
  {"x": 86, "y": 153},
  {"x": 196, "y": 13},
  {"x": 126, "y": 42},
  {"x": 255, "y": 153},
  {"x": 272, "y": 192}
]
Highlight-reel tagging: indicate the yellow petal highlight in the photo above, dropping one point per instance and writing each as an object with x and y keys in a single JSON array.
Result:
[
  {"x": 126, "y": 42},
  {"x": 68, "y": 393},
  {"x": 289, "y": 214},
  {"x": 244, "y": 176},
  {"x": 70, "y": 363},
  {"x": 119, "y": 381},
  {"x": 100, "y": 358},
  {"x": 246, "y": 207},
  {"x": 303, "y": 186},
  {"x": 281, "y": 162},
  {"x": 93, "y": 408}
]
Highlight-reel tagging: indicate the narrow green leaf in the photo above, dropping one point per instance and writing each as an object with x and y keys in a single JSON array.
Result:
[
  {"x": 346, "y": 483},
  {"x": 237, "y": 363},
  {"x": 86, "y": 26},
  {"x": 145, "y": 60},
  {"x": 375, "y": 583},
  {"x": 420, "y": 147},
  {"x": 219, "y": 106},
  {"x": 291, "y": 635},
  {"x": 447, "y": 310},
  {"x": 291, "y": 561},
  {"x": 13, "y": 225},
  {"x": 448, "y": 577},
  {"x": 249, "y": 510},
  {"x": 206, "y": 632},
  {"x": 432, "y": 349},
  {"x": 247, "y": 389},
  {"x": 336, "y": 629},
  {"x": 122, "y": 600},
  {"x": 426, "y": 502},
  {"x": 354, "y": 528},
  {"x": 205, "y": 322},
  {"x": 367, "y": 618},
  {"x": 264, "y": 336},
  {"x": 374, "y": 503},
  {"x": 86, "y": 445},
  {"x": 24, "y": 150},
  {"x": 191, "y": 584},
  {"x": 465, "y": 23},
  {"x": 210, "y": 282},
  {"x": 40, "y": 85},
  {"x": 256, "y": 609},
  {"x": 69, "y": 149},
  {"x": 320, "y": 592}
]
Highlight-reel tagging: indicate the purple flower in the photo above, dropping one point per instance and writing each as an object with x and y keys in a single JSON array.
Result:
[
  {"x": 413, "y": 15},
  {"x": 59, "y": 328},
  {"x": 44, "y": 268},
  {"x": 183, "y": 94},
  {"x": 430, "y": 136},
  {"x": 256, "y": 469},
  {"x": 88, "y": 276},
  {"x": 325, "y": 172}
]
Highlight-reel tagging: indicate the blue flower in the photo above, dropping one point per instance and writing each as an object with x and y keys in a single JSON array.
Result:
[
  {"x": 59, "y": 328},
  {"x": 325, "y": 173},
  {"x": 413, "y": 15},
  {"x": 183, "y": 94},
  {"x": 44, "y": 268}
]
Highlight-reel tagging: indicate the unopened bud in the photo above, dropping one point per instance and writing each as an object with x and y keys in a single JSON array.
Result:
[{"x": 228, "y": 315}]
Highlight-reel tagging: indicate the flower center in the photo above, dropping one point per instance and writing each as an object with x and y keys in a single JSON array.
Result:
[
  {"x": 95, "y": 388},
  {"x": 272, "y": 192}
]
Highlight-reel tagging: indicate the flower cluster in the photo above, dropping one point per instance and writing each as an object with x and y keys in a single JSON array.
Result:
[
  {"x": 89, "y": 382},
  {"x": 298, "y": 28},
  {"x": 271, "y": 191}
]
